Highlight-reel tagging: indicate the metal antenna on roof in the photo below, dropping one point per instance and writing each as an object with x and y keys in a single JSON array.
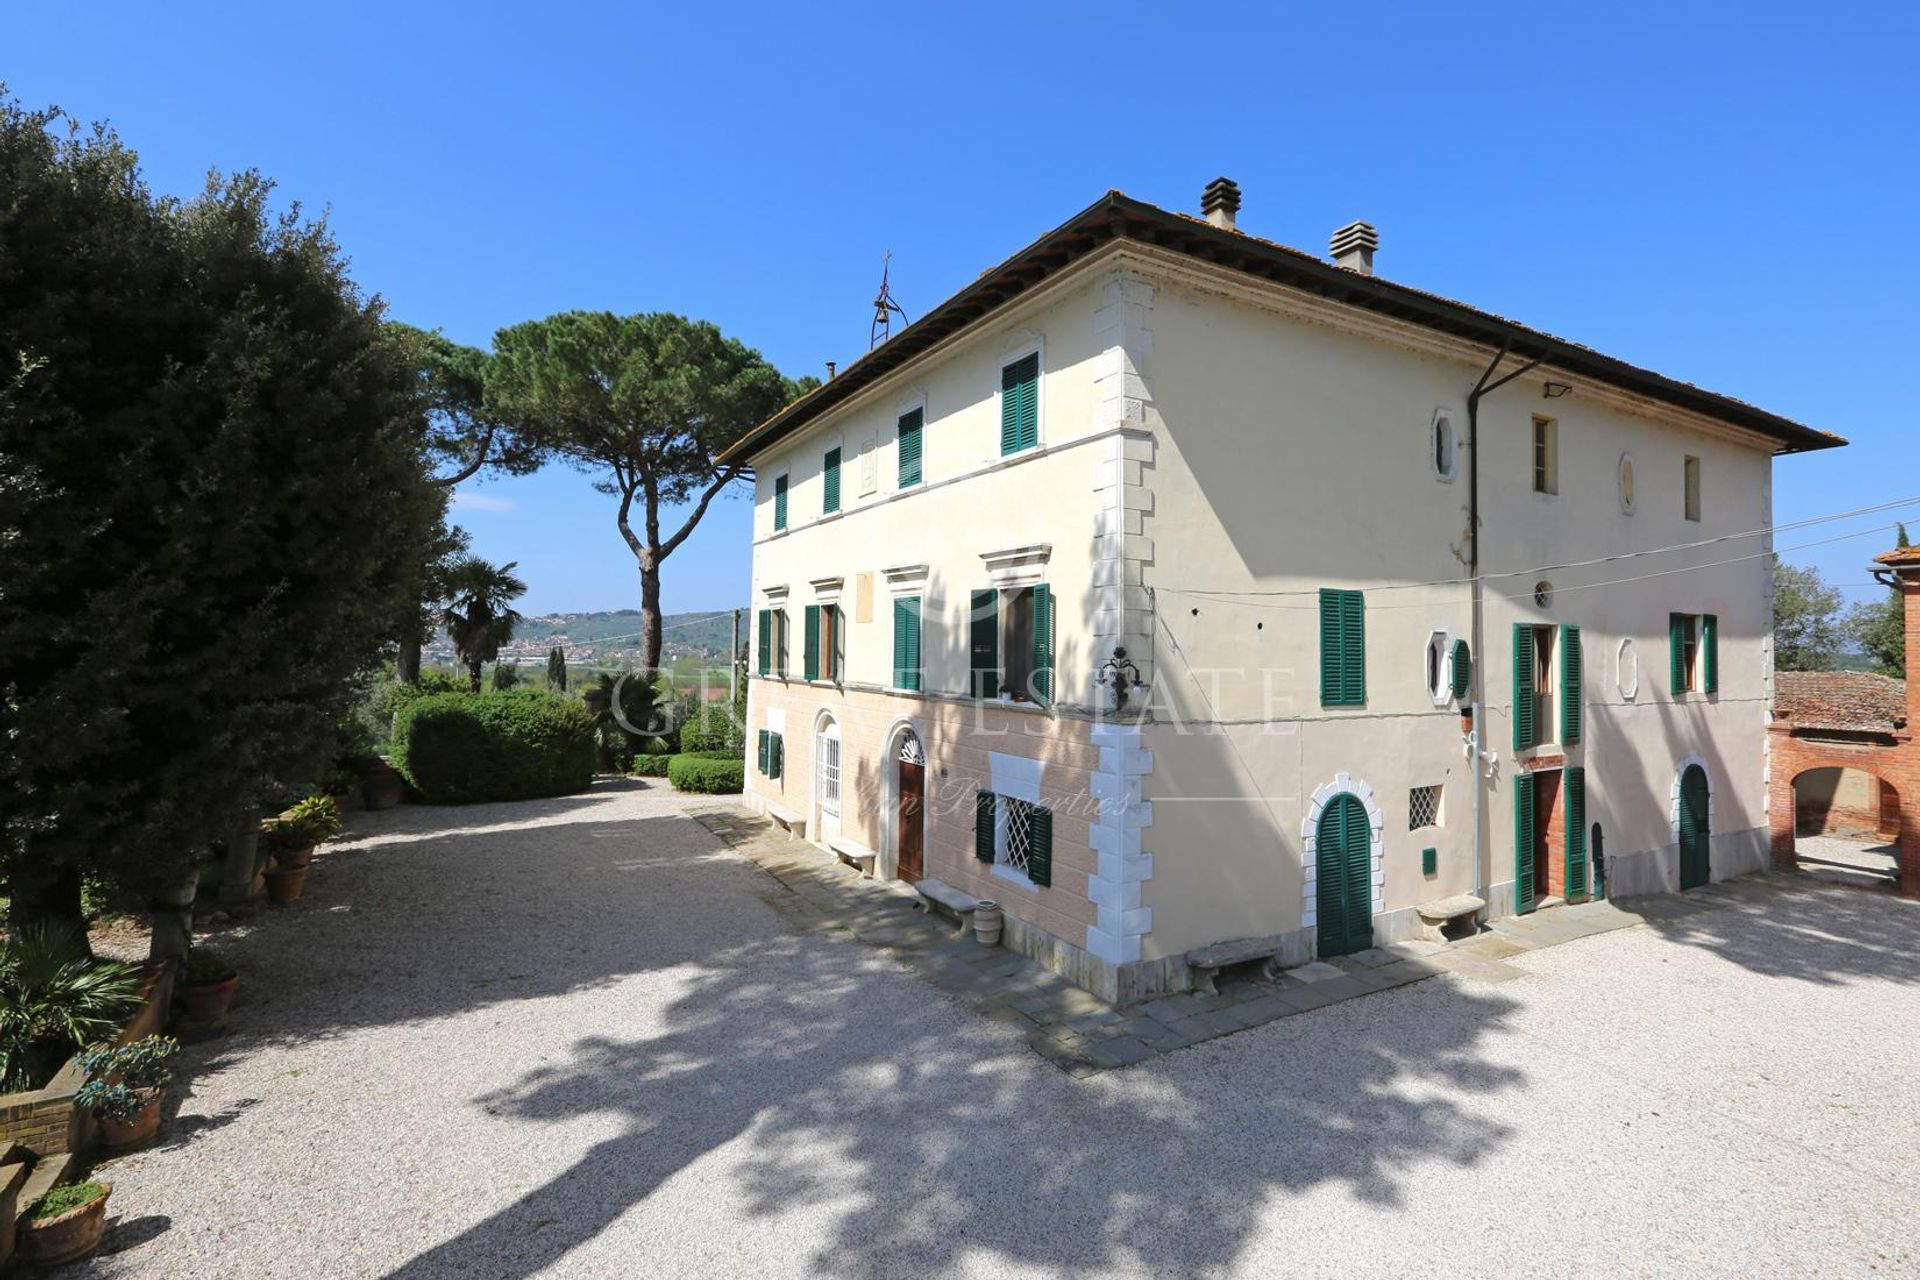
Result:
[{"x": 884, "y": 309}]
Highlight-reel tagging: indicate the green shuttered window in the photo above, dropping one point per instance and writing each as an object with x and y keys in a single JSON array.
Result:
[
  {"x": 910, "y": 428},
  {"x": 1525, "y": 732},
  {"x": 1523, "y": 843},
  {"x": 1576, "y": 825},
  {"x": 1015, "y": 834},
  {"x": 779, "y": 503},
  {"x": 1569, "y": 685},
  {"x": 830, "y": 502},
  {"x": 1676, "y": 653},
  {"x": 1040, "y": 845},
  {"x": 766, "y": 642},
  {"x": 810, "y": 643},
  {"x": 906, "y": 642},
  {"x": 1043, "y": 645},
  {"x": 1462, "y": 670},
  {"x": 1020, "y": 405},
  {"x": 984, "y": 643},
  {"x": 983, "y": 812},
  {"x": 1343, "y": 648},
  {"x": 1710, "y": 652},
  {"x": 765, "y": 751}
]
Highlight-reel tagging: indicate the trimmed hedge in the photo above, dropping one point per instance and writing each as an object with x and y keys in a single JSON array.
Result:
[
  {"x": 707, "y": 775},
  {"x": 651, "y": 765},
  {"x": 513, "y": 744}
]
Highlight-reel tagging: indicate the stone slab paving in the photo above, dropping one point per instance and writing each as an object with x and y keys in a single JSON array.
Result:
[{"x": 1083, "y": 1035}]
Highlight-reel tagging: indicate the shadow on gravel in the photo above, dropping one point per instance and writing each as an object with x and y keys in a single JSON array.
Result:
[
  {"x": 1795, "y": 927},
  {"x": 927, "y": 1145}
]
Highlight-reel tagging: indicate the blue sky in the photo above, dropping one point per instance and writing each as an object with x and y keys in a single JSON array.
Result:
[{"x": 1726, "y": 195}]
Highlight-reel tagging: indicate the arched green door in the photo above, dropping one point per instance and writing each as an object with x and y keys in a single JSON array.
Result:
[
  {"x": 1695, "y": 828},
  {"x": 1343, "y": 875}
]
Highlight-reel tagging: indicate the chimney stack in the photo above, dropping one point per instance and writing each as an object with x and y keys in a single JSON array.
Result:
[
  {"x": 1220, "y": 201},
  {"x": 829, "y": 371},
  {"x": 1353, "y": 247}
]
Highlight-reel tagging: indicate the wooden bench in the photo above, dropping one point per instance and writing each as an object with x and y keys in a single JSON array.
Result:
[
  {"x": 1206, "y": 962},
  {"x": 854, "y": 854},
  {"x": 1436, "y": 916},
  {"x": 938, "y": 895},
  {"x": 793, "y": 823}
]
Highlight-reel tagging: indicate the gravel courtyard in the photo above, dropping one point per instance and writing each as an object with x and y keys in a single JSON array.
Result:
[{"x": 572, "y": 1038}]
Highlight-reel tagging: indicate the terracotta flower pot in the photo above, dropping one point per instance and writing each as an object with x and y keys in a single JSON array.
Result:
[
  {"x": 65, "y": 1236},
  {"x": 294, "y": 859},
  {"x": 210, "y": 1001},
  {"x": 144, "y": 1124},
  {"x": 285, "y": 886},
  {"x": 380, "y": 786}
]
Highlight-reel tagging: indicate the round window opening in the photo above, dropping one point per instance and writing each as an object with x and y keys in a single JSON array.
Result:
[{"x": 1543, "y": 594}]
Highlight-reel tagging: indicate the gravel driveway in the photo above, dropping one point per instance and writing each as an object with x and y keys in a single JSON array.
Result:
[{"x": 571, "y": 1038}]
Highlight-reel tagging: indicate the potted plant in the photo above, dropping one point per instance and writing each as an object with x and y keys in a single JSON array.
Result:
[
  {"x": 291, "y": 837},
  {"x": 65, "y": 1224},
  {"x": 207, "y": 984},
  {"x": 125, "y": 1086},
  {"x": 380, "y": 785}
]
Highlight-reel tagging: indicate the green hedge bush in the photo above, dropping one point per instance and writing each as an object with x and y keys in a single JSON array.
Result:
[
  {"x": 706, "y": 775},
  {"x": 716, "y": 731},
  {"x": 518, "y": 744},
  {"x": 651, "y": 765}
]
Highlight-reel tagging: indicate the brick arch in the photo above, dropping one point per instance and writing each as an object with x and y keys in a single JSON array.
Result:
[{"x": 1894, "y": 760}]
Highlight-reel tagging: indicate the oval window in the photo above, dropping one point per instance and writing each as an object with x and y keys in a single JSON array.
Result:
[
  {"x": 1626, "y": 483},
  {"x": 1442, "y": 441},
  {"x": 1543, "y": 594}
]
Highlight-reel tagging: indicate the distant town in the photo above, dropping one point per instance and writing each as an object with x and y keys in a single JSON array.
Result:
[{"x": 689, "y": 641}]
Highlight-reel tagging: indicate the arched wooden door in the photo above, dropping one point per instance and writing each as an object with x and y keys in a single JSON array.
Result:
[
  {"x": 1696, "y": 829},
  {"x": 910, "y": 817},
  {"x": 1343, "y": 876}
]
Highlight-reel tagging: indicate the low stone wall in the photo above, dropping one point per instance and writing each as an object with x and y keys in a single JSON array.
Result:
[{"x": 44, "y": 1120}]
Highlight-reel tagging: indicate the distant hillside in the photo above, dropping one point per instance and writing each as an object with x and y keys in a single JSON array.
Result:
[{"x": 615, "y": 635}]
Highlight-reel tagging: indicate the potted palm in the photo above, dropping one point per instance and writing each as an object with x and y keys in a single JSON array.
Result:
[
  {"x": 125, "y": 1085},
  {"x": 64, "y": 1224},
  {"x": 207, "y": 984}
]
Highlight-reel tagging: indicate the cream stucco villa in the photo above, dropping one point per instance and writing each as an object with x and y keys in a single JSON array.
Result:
[{"x": 1137, "y": 589}]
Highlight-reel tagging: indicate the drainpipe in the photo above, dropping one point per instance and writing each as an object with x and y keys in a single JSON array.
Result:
[{"x": 1477, "y": 754}]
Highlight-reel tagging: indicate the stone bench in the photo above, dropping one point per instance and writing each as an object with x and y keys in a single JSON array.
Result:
[
  {"x": 854, "y": 854},
  {"x": 938, "y": 895},
  {"x": 1207, "y": 962},
  {"x": 1435, "y": 916},
  {"x": 793, "y": 823}
]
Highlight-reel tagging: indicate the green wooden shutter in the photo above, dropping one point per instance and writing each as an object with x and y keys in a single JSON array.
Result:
[
  {"x": 777, "y": 754},
  {"x": 766, "y": 642},
  {"x": 765, "y": 757},
  {"x": 779, "y": 503},
  {"x": 906, "y": 642},
  {"x": 983, "y": 825},
  {"x": 1710, "y": 645},
  {"x": 1020, "y": 405},
  {"x": 1343, "y": 648},
  {"x": 1359, "y": 850},
  {"x": 830, "y": 501},
  {"x": 1676, "y": 653},
  {"x": 839, "y": 654},
  {"x": 780, "y": 642},
  {"x": 1462, "y": 670},
  {"x": 1429, "y": 862},
  {"x": 810, "y": 643},
  {"x": 1040, "y": 845},
  {"x": 985, "y": 646},
  {"x": 1523, "y": 843},
  {"x": 1576, "y": 825},
  {"x": 1569, "y": 685},
  {"x": 909, "y": 451},
  {"x": 1043, "y": 645},
  {"x": 1525, "y": 732}
]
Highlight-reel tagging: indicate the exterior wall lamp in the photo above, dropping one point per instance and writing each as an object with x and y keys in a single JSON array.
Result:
[
  {"x": 1554, "y": 390},
  {"x": 1122, "y": 676}
]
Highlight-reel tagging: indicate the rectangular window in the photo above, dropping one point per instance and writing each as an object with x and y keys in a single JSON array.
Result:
[
  {"x": 769, "y": 753},
  {"x": 1693, "y": 488},
  {"x": 1543, "y": 681},
  {"x": 1423, "y": 808},
  {"x": 824, "y": 642},
  {"x": 1693, "y": 652},
  {"x": 1020, "y": 405},
  {"x": 1546, "y": 456},
  {"x": 1014, "y": 834},
  {"x": 779, "y": 503},
  {"x": 830, "y": 772},
  {"x": 1689, "y": 652},
  {"x": 780, "y": 643},
  {"x": 830, "y": 482},
  {"x": 1012, "y": 644},
  {"x": 766, "y": 641},
  {"x": 910, "y": 426},
  {"x": 906, "y": 642},
  {"x": 1343, "y": 648}
]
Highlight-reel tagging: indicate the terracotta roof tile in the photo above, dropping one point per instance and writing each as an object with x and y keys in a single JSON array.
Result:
[
  {"x": 1900, "y": 557},
  {"x": 1854, "y": 701}
]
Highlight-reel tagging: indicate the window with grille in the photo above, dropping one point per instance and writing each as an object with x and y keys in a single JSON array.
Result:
[
  {"x": 1546, "y": 455},
  {"x": 1423, "y": 808},
  {"x": 830, "y": 772},
  {"x": 1016, "y": 842}
]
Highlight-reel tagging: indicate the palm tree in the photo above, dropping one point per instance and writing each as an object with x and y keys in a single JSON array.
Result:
[{"x": 479, "y": 615}]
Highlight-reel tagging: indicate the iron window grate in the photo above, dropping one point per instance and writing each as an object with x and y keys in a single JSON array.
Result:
[{"x": 1423, "y": 808}]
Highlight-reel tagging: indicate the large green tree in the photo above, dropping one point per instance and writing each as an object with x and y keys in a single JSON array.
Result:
[
  {"x": 1806, "y": 619},
  {"x": 208, "y": 452},
  {"x": 644, "y": 403},
  {"x": 1879, "y": 627},
  {"x": 480, "y": 616}
]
